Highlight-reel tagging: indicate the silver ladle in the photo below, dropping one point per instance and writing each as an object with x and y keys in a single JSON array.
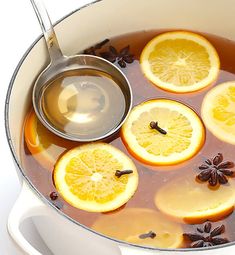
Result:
[{"x": 81, "y": 98}]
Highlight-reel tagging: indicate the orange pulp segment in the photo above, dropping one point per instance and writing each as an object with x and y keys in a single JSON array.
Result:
[
  {"x": 44, "y": 146},
  {"x": 180, "y": 61},
  {"x": 128, "y": 224},
  {"x": 85, "y": 177},
  {"x": 185, "y": 132},
  {"x": 218, "y": 111},
  {"x": 194, "y": 202}
]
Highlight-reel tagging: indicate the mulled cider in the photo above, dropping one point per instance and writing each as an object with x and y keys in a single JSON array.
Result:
[{"x": 166, "y": 179}]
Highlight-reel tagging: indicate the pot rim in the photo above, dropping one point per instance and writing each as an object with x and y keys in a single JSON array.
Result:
[{"x": 37, "y": 192}]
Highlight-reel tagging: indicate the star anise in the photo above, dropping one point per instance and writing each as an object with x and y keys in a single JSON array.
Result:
[
  {"x": 206, "y": 236},
  {"x": 112, "y": 54},
  {"x": 122, "y": 57},
  {"x": 93, "y": 50},
  {"x": 216, "y": 170}
]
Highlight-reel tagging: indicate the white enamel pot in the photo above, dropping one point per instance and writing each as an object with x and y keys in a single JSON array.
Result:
[{"x": 95, "y": 22}]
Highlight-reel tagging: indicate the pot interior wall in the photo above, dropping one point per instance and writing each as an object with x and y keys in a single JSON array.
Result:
[{"x": 108, "y": 18}]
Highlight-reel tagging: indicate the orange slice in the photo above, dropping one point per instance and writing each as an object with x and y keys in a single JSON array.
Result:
[
  {"x": 194, "y": 202},
  {"x": 185, "y": 132},
  {"x": 128, "y": 224},
  {"x": 43, "y": 145},
  {"x": 218, "y": 111},
  {"x": 180, "y": 61},
  {"x": 85, "y": 177}
]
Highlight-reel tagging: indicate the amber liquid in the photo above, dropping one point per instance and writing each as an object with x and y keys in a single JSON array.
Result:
[
  {"x": 77, "y": 101},
  {"x": 150, "y": 178}
]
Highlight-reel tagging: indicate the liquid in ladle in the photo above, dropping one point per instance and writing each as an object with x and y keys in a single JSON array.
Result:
[{"x": 84, "y": 103}]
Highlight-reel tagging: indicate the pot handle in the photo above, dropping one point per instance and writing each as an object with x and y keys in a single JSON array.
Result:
[{"x": 27, "y": 205}]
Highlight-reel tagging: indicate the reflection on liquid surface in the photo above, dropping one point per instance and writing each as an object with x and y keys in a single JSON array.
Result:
[{"x": 85, "y": 103}]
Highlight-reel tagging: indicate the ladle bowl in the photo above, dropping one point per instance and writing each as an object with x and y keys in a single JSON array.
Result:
[{"x": 60, "y": 66}]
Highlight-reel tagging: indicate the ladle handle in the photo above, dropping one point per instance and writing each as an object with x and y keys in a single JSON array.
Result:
[{"x": 48, "y": 30}]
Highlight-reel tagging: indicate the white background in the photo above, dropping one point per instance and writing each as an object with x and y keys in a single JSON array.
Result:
[{"x": 18, "y": 29}]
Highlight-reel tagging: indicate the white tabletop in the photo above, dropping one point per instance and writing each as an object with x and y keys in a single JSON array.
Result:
[{"x": 19, "y": 28}]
